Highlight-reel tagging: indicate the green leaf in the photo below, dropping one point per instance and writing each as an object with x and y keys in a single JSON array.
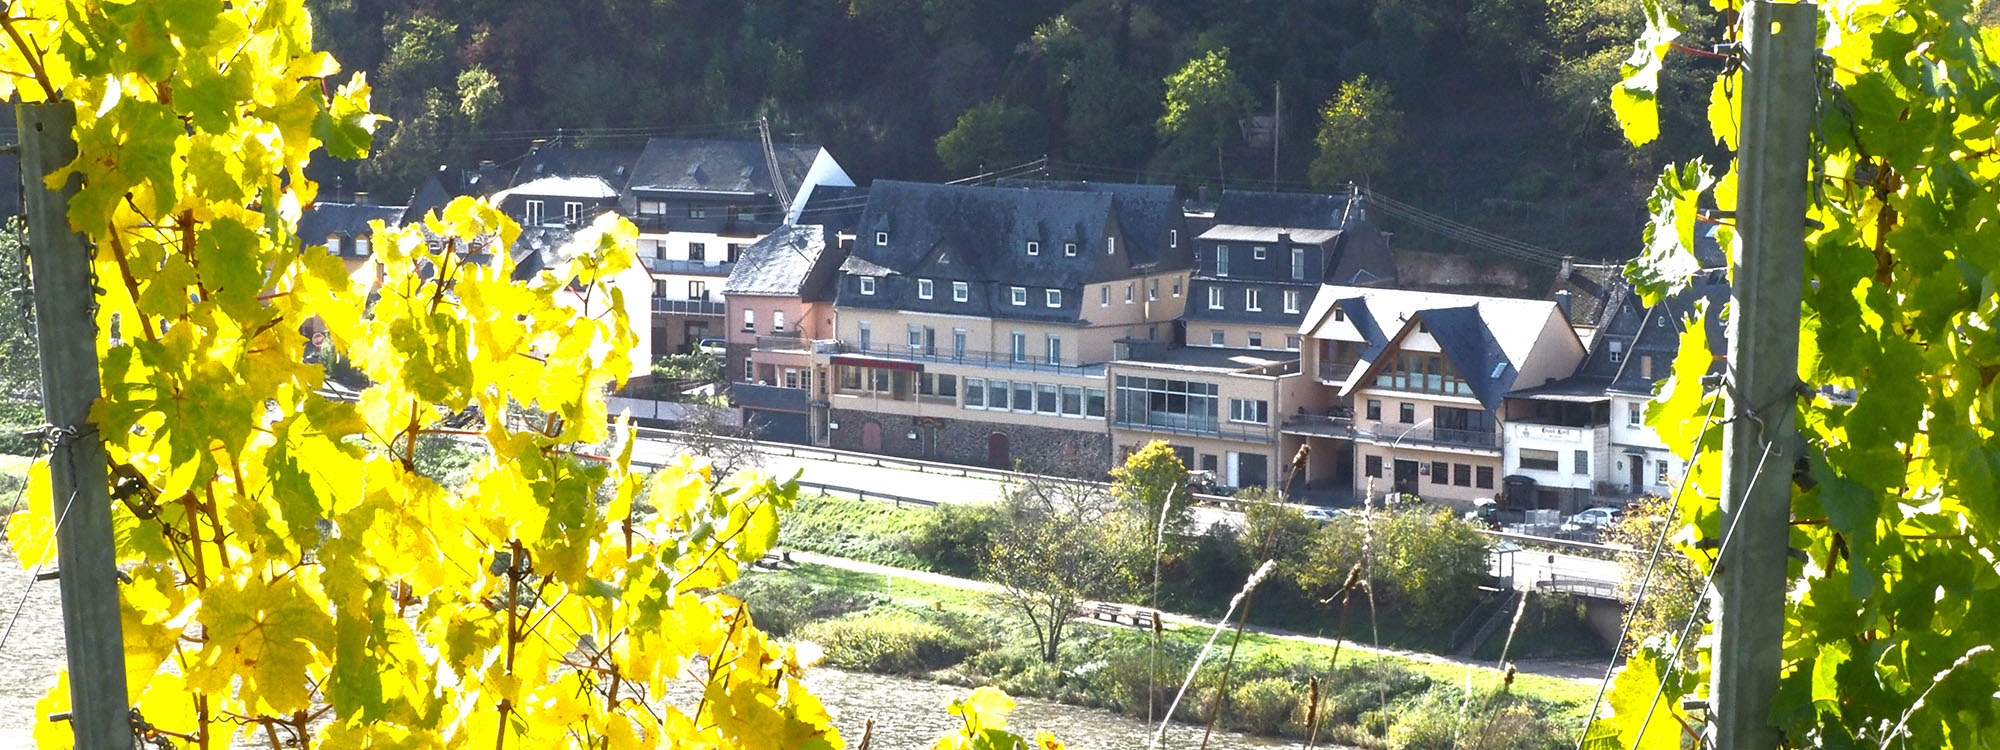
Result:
[{"x": 1635, "y": 98}]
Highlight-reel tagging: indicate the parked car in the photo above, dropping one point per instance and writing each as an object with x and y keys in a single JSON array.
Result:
[
  {"x": 1599, "y": 517},
  {"x": 1203, "y": 482},
  {"x": 711, "y": 346},
  {"x": 1321, "y": 515}
]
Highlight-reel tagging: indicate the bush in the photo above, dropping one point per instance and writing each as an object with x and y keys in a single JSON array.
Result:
[
  {"x": 850, "y": 528},
  {"x": 951, "y": 538},
  {"x": 780, "y": 606},
  {"x": 886, "y": 644},
  {"x": 15, "y": 418},
  {"x": 1266, "y": 706}
]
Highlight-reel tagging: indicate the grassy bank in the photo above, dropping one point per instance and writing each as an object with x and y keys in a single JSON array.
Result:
[{"x": 896, "y": 626}]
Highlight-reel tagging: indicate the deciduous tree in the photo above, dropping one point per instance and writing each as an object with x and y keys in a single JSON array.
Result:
[
  {"x": 1204, "y": 104},
  {"x": 1359, "y": 129}
]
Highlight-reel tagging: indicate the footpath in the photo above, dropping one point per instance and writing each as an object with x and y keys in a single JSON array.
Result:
[{"x": 1582, "y": 672}]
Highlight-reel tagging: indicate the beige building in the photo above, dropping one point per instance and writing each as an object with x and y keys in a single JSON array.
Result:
[
  {"x": 1410, "y": 387},
  {"x": 1218, "y": 408}
]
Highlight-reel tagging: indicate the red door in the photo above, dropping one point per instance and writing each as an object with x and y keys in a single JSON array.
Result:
[
  {"x": 871, "y": 437},
  {"x": 996, "y": 451}
]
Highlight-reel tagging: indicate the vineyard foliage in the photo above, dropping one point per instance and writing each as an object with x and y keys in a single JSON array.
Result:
[
  {"x": 293, "y": 577},
  {"x": 1889, "y": 626}
]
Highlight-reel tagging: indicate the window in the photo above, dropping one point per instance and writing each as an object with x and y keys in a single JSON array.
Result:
[
  {"x": 698, "y": 290},
  {"x": 735, "y": 251},
  {"x": 1298, "y": 263},
  {"x": 1178, "y": 405},
  {"x": 697, "y": 212},
  {"x": 1339, "y": 314},
  {"x": 1215, "y": 298},
  {"x": 1024, "y": 397},
  {"x": 1072, "y": 401},
  {"x": 1372, "y": 466},
  {"x": 1215, "y": 337},
  {"x": 866, "y": 330},
  {"x": 333, "y": 244},
  {"x": 881, "y": 238},
  {"x": 1293, "y": 341},
  {"x": 1582, "y": 464},
  {"x": 1054, "y": 298},
  {"x": 1406, "y": 412},
  {"x": 573, "y": 212},
  {"x": 1249, "y": 411},
  {"x": 659, "y": 287},
  {"x": 1093, "y": 403},
  {"x": 1462, "y": 475},
  {"x": 975, "y": 393},
  {"x": 1020, "y": 295},
  {"x": 1646, "y": 366},
  {"x": 697, "y": 251},
  {"x": 1069, "y": 248},
  {"x": 1539, "y": 460},
  {"x": 1634, "y": 415},
  {"x": 1177, "y": 287},
  {"x": 1152, "y": 289},
  {"x": 1660, "y": 471},
  {"x": 1253, "y": 300},
  {"x": 364, "y": 245},
  {"x": 923, "y": 288},
  {"x": 531, "y": 212},
  {"x": 1020, "y": 346},
  {"x": 777, "y": 321},
  {"x": 1222, "y": 260},
  {"x": 1110, "y": 245},
  {"x": 1034, "y": 248},
  {"x": 791, "y": 378},
  {"x": 1617, "y": 352},
  {"x": 1173, "y": 238},
  {"x": 1055, "y": 349},
  {"x": 1375, "y": 409},
  {"x": 1128, "y": 292},
  {"x": 960, "y": 291},
  {"x": 958, "y": 343},
  {"x": 867, "y": 285},
  {"x": 748, "y": 368},
  {"x": 749, "y": 320},
  {"x": 1440, "y": 472},
  {"x": 939, "y": 385},
  {"x": 1484, "y": 477},
  {"x": 996, "y": 394},
  {"x": 1257, "y": 253},
  {"x": 653, "y": 208},
  {"x": 916, "y": 338},
  {"x": 1047, "y": 400},
  {"x": 1104, "y": 296},
  {"x": 1256, "y": 339},
  {"x": 1291, "y": 300}
]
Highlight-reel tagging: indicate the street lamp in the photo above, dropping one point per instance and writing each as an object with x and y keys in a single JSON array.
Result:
[{"x": 1392, "y": 452}]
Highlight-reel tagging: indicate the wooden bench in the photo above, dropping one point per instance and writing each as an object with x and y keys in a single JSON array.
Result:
[
  {"x": 774, "y": 560},
  {"x": 1121, "y": 615}
]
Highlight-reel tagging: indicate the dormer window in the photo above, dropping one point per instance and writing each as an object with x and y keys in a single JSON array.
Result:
[
  {"x": 1034, "y": 248},
  {"x": 531, "y": 213},
  {"x": 1055, "y": 298},
  {"x": 1617, "y": 352},
  {"x": 572, "y": 212},
  {"x": 960, "y": 291},
  {"x": 333, "y": 244},
  {"x": 1069, "y": 249},
  {"x": 1222, "y": 260},
  {"x": 1257, "y": 253},
  {"x": 1020, "y": 295},
  {"x": 1173, "y": 238},
  {"x": 881, "y": 238},
  {"x": 1498, "y": 367},
  {"x": 867, "y": 285},
  {"x": 697, "y": 212},
  {"x": 923, "y": 288},
  {"x": 363, "y": 246},
  {"x": 1339, "y": 314},
  {"x": 1110, "y": 245}
]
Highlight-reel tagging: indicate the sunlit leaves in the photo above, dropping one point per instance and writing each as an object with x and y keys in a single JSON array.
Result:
[{"x": 1635, "y": 98}]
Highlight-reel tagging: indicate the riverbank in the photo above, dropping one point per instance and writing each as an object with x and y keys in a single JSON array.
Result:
[{"x": 961, "y": 636}]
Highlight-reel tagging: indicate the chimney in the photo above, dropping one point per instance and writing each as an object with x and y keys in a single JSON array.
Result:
[
  {"x": 362, "y": 198},
  {"x": 1568, "y": 266},
  {"x": 1284, "y": 239},
  {"x": 1563, "y": 301}
]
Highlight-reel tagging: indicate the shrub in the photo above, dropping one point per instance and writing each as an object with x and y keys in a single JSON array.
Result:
[
  {"x": 780, "y": 606},
  {"x": 1265, "y": 706},
  {"x": 950, "y": 538},
  {"x": 886, "y": 644},
  {"x": 15, "y": 418},
  {"x": 850, "y": 528}
]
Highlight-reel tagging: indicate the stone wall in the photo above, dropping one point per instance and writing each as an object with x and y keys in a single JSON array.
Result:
[
  {"x": 964, "y": 441},
  {"x": 1465, "y": 274}
]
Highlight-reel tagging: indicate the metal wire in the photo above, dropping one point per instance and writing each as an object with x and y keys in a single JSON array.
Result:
[{"x": 36, "y": 575}]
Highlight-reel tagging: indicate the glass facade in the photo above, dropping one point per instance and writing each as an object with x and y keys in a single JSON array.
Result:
[{"x": 1173, "y": 404}]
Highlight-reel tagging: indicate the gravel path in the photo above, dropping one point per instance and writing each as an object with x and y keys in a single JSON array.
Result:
[{"x": 33, "y": 655}]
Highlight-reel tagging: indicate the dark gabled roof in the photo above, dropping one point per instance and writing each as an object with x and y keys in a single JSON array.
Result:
[
  {"x": 703, "y": 166},
  {"x": 1486, "y": 339},
  {"x": 1469, "y": 343},
  {"x": 836, "y": 207},
  {"x": 613, "y": 165},
  {"x": 1591, "y": 290},
  {"x": 1145, "y": 212},
  {"x": 781, "y": 263},
  {"x": 1293, "y": 210},
  {"x": 349, "y": 220},
  {"x": 986, "y": 228}
]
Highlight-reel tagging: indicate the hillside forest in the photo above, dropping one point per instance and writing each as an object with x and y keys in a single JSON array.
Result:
[{"x": 1490, "y": 112}]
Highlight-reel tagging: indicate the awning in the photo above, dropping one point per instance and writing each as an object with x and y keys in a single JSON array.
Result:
[{"x": 885, "y": 364}]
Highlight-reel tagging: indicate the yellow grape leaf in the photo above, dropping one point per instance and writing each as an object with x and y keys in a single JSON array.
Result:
[{"x": 31, "y": 528}]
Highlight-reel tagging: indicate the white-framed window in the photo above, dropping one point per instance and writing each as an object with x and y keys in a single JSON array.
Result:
[
  {"x": 653, "y": 208},
  {"x": 1253, "y": 300},
  {"x": 1256, "y": 339},
  {"x": 867, "y": 334},
  {"x": 1540, "y": 460},
  {"x": 1617, "y": 351},
  {"x": 1249, "y": 411},
  {"x": 1020, "y": 295},
  {"x": 698, "y": 290},
  {"x": 333, "y": 244},
  {"x": 1215, "y": 337},
  {"x": 1054, "y": 298},
  {"x": 698, "y": 251},
  {"x": 777, "y": 321},
  {"x": 697, "y": 212},
  {"x": 1177, "y": 288},
  {"x": 1215, "y": 298},
  {"x": 1660, "y": 468},
  {"x": 659, "y": 287},
  {"x": 881, "y": 238},
  {"x": 531, "y": 212},
  {"x": 1093, "y": 403},
  {"x": 1298, "y": 263},
  {"x": 749, "y": 320},
  {"x": 975, "y": 393},
  {"x": 1222, "y": 260},
  {"x": 1338, "y": 313},
  {"x": 749, "y": 371},
  {"x": 1046, "y": 398},
  {"x": 996, "y": 394},
  {"x": 1104, "y": 296},
  {"x": 1152, "y": 289},
  {"x": 1293, "y": 340},
  {"x": 1019, "y": 342},
  {"x": 867, "y": 285},
  {"x": 573, "y": 212},
  {"x": 960, "y": 291},
  {"x": 364, "y": 245},
  {"x": 1072, "y": 401},
  {"x": 792, "y": 378},
  {"x": 1173, "y": 238},
  {"x": 1635, "y": 415},
  {"x": 1291, "y": 300},
  {"x": 923, "y": 288},
  {"x": 1055, "y": 349},
  {"x": 1034, "y": 248},
  {"x": 916, "y": 338},
  {"x": 1069, "y": 249},
  {"x": 958, "y": 343},
  {"x": 1257, "y": 253},
  {"x": 1110, "y": 245},
  {"x": 1128, "y": 291}
]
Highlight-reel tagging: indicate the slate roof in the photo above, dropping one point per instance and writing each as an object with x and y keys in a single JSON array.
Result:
[
  {"x": 1639, "y": 331},
  {"x": 582, "y": 188},
  {"x": 781, "y": 263},
  {"x": 705, "y": 166},
  {"x": 1251, "y": 233},
  {"x": 613, "y": 165},
  {"x": 349, "y": 220},
  {"x": 1146, "y": 212},
  {"x": 1592, "y": 289},
  {"x": 836, "y": 207},
  {"x": 1292, "y": 210},
  {"x": 1215, "y": 359},
  {"x": 1487, "y": 339}
]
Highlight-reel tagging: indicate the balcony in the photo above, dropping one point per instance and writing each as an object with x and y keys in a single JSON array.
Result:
[
  {"x": 1320, "y": 425},
  {"x": 1442, "y": 436},
  {"x": 996, "y": 360},
  {"x": 663, "y": 305},
  {"x": 1243, "y": 434},
  {"x": 784, "y": 342},
  {"x": 1335, "y": 373},
  {"x": 689, "y": 267},
  {"x": 744, "y": 226}
]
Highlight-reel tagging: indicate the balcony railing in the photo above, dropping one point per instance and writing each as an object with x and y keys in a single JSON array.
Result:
[
  {"x": 686, "y": 306},
  {"x": 998, "y": 360},
  {"x": 1248, "y": 435},
  {"x": 679, "y": 222},
  {"x": 1335, "y": 372},
  {"x": 1321, "y": 425},
  {"x": 1439, "y": 436},
  {"x": 781, "y": 342},
  {"x": 689, "y": 267}
]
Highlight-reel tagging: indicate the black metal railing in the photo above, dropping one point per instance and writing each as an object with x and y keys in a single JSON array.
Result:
[
  {"x": 1224, "y": 432},
  {"x": 1320, "y": 424},
  {"x": 686, "y": 306},
  {"x": 690, "y": 267},
  {"x": 947, "y": 354}
]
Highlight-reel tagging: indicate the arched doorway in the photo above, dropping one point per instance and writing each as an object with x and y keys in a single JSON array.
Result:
[
  {"x": 871, "y": 437},
  {"x": 996, "y": 451}
]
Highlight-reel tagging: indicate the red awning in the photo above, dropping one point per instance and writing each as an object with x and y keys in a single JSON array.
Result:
[{"x": 886, "y": 364}]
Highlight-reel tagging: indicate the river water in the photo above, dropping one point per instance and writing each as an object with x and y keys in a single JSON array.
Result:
[{"x": 909, "y": 715}]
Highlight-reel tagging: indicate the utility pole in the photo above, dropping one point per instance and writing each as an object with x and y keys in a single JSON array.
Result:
[
  {"x": 65, "y": 305},
  {"x": 1758, "y": 440},
  {"x": 1277, "y": 127}
]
